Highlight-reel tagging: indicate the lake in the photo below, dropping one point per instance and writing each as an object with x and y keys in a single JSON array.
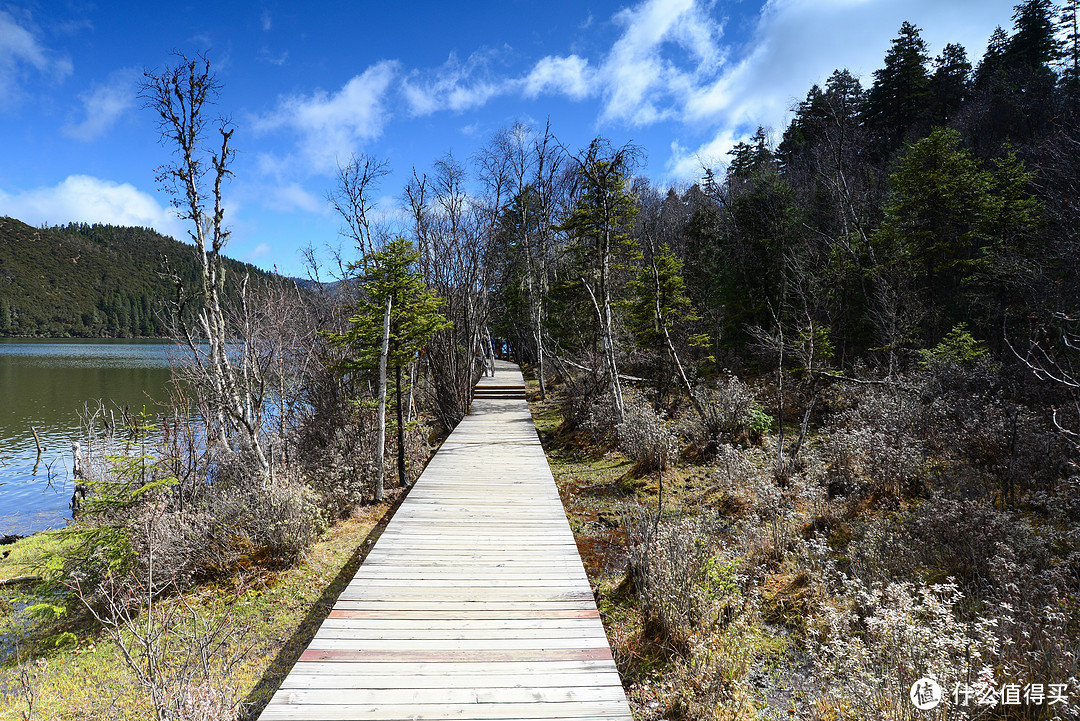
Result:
[{"x": 44, "y": 385}]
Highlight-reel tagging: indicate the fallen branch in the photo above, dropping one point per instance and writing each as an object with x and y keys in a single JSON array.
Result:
[{"x": 580, "y": 367}]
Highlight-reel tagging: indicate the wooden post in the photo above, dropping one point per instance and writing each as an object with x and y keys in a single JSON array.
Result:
[{"x": 76, "y": 460}]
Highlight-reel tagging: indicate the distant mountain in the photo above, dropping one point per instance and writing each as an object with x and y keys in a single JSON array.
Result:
[{"x": 92, "y": 281}]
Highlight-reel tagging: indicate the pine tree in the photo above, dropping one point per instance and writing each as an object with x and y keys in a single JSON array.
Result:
[
  {"x": 992, "y": 63},
  {"x": 900, "y": 94},
  {"x": 949, "y": 84},
  {"x": 1069, "y": 27},
  {"x": 391, "y": 274},
  {"x": 1034, "y": 46},
  {"x": 600, "y": 223},
  {"x": 659, "y": 304},
  {"x": 751, "y": 157},
  {"x": 948, "y": 218}
]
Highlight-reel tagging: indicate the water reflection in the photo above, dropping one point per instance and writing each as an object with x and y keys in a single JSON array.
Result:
[{"x": 44, "y": 384}]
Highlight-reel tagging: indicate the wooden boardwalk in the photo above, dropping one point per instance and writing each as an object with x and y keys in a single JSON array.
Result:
[{"x": 473, "y": 604}]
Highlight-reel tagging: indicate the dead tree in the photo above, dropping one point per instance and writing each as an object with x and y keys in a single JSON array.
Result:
[{"x": 224, "y": 376}]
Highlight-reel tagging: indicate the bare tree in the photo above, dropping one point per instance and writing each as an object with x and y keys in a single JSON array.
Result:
[
  {"x": 528, "y": 167},
  {"x": 226, "y": 379},
  {"x": 452, "y": 230},
  {"x": 1057, "y": 360},
  {"x": 356, "y": 182}
]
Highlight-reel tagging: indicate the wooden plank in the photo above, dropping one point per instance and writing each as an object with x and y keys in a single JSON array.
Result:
[
  {"x": 366, "y": 642},
  {"x": 281, "y": 711},
  {"x": 459, "y": 624},
  {"x": 416, "y": 637},
  {"x": 430, "y": 672},
  {"x": 452, "y": 696},
  {"x": 522, "y": 607},
  {"x": 458, "y": 616},
  {"x": 449, "y": 655},
  {"x": 406, "y": 678}
]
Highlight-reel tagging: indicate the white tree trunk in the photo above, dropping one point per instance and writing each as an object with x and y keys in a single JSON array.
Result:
[{"x": 380, "y": 452}]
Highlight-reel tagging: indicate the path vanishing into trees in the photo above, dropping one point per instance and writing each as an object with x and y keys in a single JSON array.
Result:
[{"x": 473, "y": 604}]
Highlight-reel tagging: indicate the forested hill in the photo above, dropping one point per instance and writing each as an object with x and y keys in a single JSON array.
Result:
[{"x": 91, "y": 281}]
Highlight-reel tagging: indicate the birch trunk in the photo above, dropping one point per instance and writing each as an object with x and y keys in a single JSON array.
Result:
[{"x": 380, "y": 452}]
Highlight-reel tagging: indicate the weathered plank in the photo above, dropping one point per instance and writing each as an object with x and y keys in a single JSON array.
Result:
[{"x": 473, "y": 604}]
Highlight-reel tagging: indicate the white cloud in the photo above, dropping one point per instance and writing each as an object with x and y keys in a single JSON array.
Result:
[
  {"x": 85, "y": 199},
  {"x": 331, "y": 126},
  {"x": 453, "y": 86},
  {"x": 103, "y": 105},
  {"x": 292, "y": 196},
  {"x": 570, "y": 76},
  {"x": 266, "y": 21},
  {"x": 18, "y": 49},
  {"x": 798, "y": 43},
  {"x": 666, "y": 49},
  {"x": 278, "y": 60},
  {"x": 643, "y": 84}
]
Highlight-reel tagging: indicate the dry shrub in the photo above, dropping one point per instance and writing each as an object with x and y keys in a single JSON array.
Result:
[
  {"x": 873, "y": 642},
  {"x": 875, "y": 449},
  {"x": 686, "y": 585},
  {"x": 337, "y": 453},
  {"x": 217, "y": 528},
  {"x": 942, "y": 537},
  {"x": 696, "y": 601},
  {"x": 734, "y": 476},
  {"x": 980, "y": 419},
  {"x": 646, "y": 438},
  {"x": 271, "y": 521},
  {"x": 728, "y": 407},
  {"x": 582, "y": 393},
  {"x": 1033, "y": 620},
  {"x": 598, "y": 419},
  {"x": 773, "y": 513},
  {"x": 206, "y": 702},
  {"x": 1017, "y": 579}
]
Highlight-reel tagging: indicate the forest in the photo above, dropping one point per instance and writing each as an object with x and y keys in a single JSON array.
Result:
[
  {"x": 814, "y": 417},
  {"x": 91, "y": 281}
]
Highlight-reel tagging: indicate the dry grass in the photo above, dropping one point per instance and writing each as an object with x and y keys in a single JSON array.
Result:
[{"x": 73, "y": 670}]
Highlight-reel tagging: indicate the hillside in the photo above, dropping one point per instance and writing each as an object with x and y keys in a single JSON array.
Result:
[{"x": 91, "y": 281}]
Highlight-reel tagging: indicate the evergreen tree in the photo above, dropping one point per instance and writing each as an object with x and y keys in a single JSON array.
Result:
[
  {"x": 659, "y": 303},
  {"x": 1033, "y": 46},
  {"x": 600, "y": 223},
  {"x": 949, "y": 83},
  {"x": 825, "y": 122},
  {"x": 750, "y": 157},
  {"x": 993, "y": 61},
  {"x": 948, "y": 218},
  {"x": 1069, "y": 27},
  {"x": 391, "y": 274},
  {"x": 1015, "y": 82},
  {"x": 900, "y": 95}
]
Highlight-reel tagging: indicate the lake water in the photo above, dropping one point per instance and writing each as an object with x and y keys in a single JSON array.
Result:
[{"x": 45, "y": 384}]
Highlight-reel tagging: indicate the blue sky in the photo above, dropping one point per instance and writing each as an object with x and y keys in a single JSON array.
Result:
[{"x": 306, "y": 86}]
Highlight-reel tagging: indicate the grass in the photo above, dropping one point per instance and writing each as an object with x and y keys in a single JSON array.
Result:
[{"x": 72, "y": 669}]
